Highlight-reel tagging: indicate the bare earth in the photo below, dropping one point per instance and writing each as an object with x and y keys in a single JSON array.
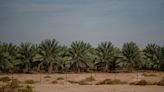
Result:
[{"x": 46, "y": 85}]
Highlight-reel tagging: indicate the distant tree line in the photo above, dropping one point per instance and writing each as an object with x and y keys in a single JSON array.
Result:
[{"x": 49, "y": 57}]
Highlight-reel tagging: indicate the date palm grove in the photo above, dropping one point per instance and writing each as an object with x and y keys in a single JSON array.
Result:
[{"x": 50, "y": 56}]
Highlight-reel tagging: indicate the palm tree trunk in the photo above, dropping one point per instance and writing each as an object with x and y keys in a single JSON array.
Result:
[
  {"x": 50, "y": 67},
  {"x": 38, "y": 68},
  {"x": 78, "y": 66},
  {"x": 26, "y": 68},
  {"x": 106, "y": 67}
]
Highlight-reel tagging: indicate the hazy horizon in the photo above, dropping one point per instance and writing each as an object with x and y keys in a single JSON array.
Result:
[{"x": 92, "y": 21}]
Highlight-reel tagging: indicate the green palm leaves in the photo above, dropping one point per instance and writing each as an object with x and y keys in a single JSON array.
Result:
[
  {"x": 79, "y": 52},
  {"x": 8, "y": 53},
  {"x": 105, "y": 53},
  {"x": 50, "y": 56},
  {"x": 49, "y": 51},
  {"x": 131, "y": 54},
  {"x": 155, "y": 54},
  {"x": 26, "y": 54}
]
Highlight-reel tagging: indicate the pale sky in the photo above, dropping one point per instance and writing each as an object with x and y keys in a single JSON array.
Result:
[{"x": 93, "y": 21}]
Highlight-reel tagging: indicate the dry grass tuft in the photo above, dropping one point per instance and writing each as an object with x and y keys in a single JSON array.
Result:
[
  {"x": 54, "y": 82},
  {"x": 60, "y": 78},
  {"x": 78, "y": 82},
  {"x": 149, "y": 75},
  {"x": 84, "y": 81},
  {"x": 30, "y": 82},
  {"x": 109, "y": 81},
  {"x": 47, "y": 76},
  {"x": 72, "y": 82},
  {"x": 14, "y": 86},
  {"x": 89, "y": 79},
  {"x": 5, "y": 79},
  {"x": 161, "y": 82},
  {"x": 141, "y": 82}
]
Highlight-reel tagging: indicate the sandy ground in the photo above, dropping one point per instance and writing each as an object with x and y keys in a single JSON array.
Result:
[{"x": 45, "y": 84}]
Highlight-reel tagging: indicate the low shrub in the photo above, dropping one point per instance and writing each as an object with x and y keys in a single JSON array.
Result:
[
  {"x": 78, "y": 82},
  {"x": 161, "y": 82},
  {"x": 83, "y": 83},
  {"x": 72, "y": 82},
  {"x": 89, "y": 79},
  {"x": 60, "y": 78},
  {"x": 140, "y": 82},
  {"x": 27, "y": 89},
  {"x": 149, "y": 75},
  {"x": 15, "y": 86},
  {"x": 47, "y": 76},
  {"x": 54, "y": 82},
  {"x": 5, "y": 79},
  {"x": 30, "y": 82},
  {"x": 109, "y": 81}
]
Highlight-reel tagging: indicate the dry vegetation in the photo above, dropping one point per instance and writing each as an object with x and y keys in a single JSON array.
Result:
[
  {"x": 110, "y": 82},
  {"x": 83, "y": 82},
  {"x": 14, "y": 85}
]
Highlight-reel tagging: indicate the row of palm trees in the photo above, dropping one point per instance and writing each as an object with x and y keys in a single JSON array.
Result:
[{"x": 49, "y": 56}]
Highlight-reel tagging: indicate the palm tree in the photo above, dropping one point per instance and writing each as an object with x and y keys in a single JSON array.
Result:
[
  {"x": 131, "y": 53},
  {"x": 49, "y": 51},
  {"x": 2, "y": 57},
  {"x": 155, "y": 54},
  {"x": 115, "y": 60},
  {"x": 162, "y": 59},
  {"x": 27, "y": 55},
  {"x": 8, "y": 53},
  {"x": 79, "y": 54},
  {"x": 63, "y": 61},
  {"x": 105, "y": 54}
]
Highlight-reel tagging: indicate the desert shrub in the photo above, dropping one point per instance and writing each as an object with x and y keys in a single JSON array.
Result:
[
  {"x": 89, "y": 79},
  {"x": 83, "y": 83},
  {"x": 148, "y": 75},
  {"x": 30, "y": 82},
  {"x": 60, "y": 78},
  {"x": 106, "y": 81},
  {"x": 47, "y": 76},
  {"x": 72, "y": 82},
  {"x": 109, "y": 81},
  {"x": 27, "y": 89},
  {"x": 118, "y": 82},
  {"x": 54, "y": 82},
  {"x": 15, "y": 86},
  {"x": 140, "y": 82},
  {"x": 78, "y": 82},
  {"x": 5, "y": 79},
  {"x": 161, "y": 82}
]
